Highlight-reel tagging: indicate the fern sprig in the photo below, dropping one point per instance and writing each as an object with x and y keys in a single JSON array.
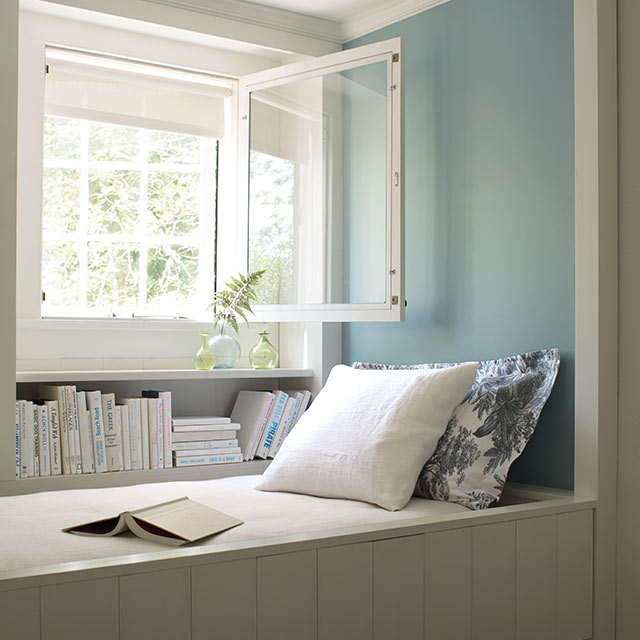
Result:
[{"x": 236, "y": 299}]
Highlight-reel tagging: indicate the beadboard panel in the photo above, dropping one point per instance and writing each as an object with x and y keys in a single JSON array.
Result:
[
  {"x": 493, "y": 579},
  {"x": 223, "y": 601},
  {"x": 536, "y": 579},
  {"x": 80, "y": 610},
  {"x": 398, "y": 588},
  {"x": 448, "y": 584},
  {"x": 156, "y": 605},
  {"x": 575, "y": 574},
  {"x": 345, "y": 592},
  {"x": 287, "y": 596},
  {"x": 20, "y": 613}
]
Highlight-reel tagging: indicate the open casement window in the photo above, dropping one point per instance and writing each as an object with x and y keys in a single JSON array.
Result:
[{"x": 321, "y": 186}]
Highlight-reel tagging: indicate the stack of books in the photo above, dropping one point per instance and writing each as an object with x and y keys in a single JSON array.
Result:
[
  {"x": 267, "y": 418},
  {"x": 76, "y": 432},
  {"x": 205, "y": 440}
]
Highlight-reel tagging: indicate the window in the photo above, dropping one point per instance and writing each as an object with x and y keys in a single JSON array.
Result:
[
  {"x": 322, "y": 182},
  {"x": 129, "y": 188}
]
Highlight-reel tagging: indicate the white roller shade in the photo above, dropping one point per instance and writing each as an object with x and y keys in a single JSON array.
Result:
[{"x": 98, "y": 88}]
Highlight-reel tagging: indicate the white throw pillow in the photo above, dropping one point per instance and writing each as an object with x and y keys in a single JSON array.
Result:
[{"x": 368, "y": 434}]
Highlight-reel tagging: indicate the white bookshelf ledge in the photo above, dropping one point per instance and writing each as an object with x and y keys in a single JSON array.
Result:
[{"x": 158, "y": 374}]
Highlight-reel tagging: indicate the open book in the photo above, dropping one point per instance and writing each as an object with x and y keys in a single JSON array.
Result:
[{"x": 174, "y": 523}]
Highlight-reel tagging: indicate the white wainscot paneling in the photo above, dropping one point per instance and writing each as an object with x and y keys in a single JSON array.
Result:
[
  {"x": 287, "y": 596},
  {"x": 92, "y": 607},
  {"x": 493, "y": 549},
  {"x": 156, "y": 605},
  {"x": 223, "y": 601},
  {"x": 536, "y": 579},
  {"x": 448, "y": 584},
  {"x": 398, "y": 588},
  {"x": 20, "y": 614},
  {"x": 345, "y": 592},
  {"x": 575, "y": 574}
]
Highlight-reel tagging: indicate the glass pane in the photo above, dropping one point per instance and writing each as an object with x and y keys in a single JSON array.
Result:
[
  {"x": 62, "y": 138},
  {"x": 317, "y": 188},
  {"x": 173, "y": 148},
  {"x": 173, "y": 202},
  {"x": 60, "y": 264},
  {"x": 113, "y": 274},
  {"x": 113, "y": 201},
  {"x": 171, "y": 275},
  {"x": 108, "y": 142},
  {"x": 60, "y": 200}
]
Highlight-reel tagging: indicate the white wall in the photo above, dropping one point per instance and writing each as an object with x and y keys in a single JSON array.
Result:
[
  {"x": 8, "y": 163},
  {"x": 628, "y": 612}
]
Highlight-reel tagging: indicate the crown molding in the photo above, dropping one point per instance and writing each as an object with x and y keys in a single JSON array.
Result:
[
  {"x": 270, "y": 17},
  {"x": 384, "y": 15}
]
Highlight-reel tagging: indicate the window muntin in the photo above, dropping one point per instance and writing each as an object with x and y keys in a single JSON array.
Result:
[{"x": 128, "y": 220}]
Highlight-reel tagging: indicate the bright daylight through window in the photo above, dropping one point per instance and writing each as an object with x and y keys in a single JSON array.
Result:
[{"x": 129, "y": 188}]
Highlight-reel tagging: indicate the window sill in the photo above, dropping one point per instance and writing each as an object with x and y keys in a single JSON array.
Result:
[{"x": 97, "y": 375}]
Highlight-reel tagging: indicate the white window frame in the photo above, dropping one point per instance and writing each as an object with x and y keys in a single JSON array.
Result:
[
  {"x": 49, "y": 338},
  {"x": 392, "y": 309}
]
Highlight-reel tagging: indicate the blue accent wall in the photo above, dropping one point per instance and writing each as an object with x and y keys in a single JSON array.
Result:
[{"x": 489, "y": 209}]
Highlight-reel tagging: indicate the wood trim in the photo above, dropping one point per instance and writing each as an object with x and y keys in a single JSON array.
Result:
[
  {"x": 596, "y": 288},
  {"x": 384, "y": 15}
]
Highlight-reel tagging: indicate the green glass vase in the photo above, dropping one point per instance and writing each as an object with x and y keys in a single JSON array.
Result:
[
  {"x": 204, "y": 359},
  {"x": 224, "y": 347},
  {"x": 263, "y": 355}
]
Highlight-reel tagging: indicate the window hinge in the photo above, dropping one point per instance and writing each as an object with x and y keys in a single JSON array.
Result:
[
  {"x": 44, "y": 296},
  {"x": 46, "y": 69},
  {"x": 395, "y": 57}
]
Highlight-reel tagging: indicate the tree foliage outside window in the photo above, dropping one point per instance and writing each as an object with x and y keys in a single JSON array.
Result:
[
  {"x": 128, "y": 220},
  {"x": 271, "y": 225}
]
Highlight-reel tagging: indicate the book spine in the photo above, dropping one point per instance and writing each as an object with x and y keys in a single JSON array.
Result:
[
  {"x": 272, "y": 425},
  {"x": 165, "y": 396},
  {"x": 94, "y": 405},
  {"x": 74, "y": 426},
  {"x": 135, "y": 442},
  {"x": 123, "y": 412},
  {"x": 111, "y": 436},
  {"x": 152, "y": 412},
  {"x": 18, "y": 467},
  {"x": 145, "y": 432},
  {"x": 36, "y": 440},
  {"x": 28, "y": 416},
  {"x": 45, "y": 440},
  {"x": 84, "y": 429},
  {"x": 199, "y": 460},
  {"x": 160, "y": 432},
  {"x": 259, "y": 427},
  {"x": 210, "y": 421},
  {"x": 67, "y": 466},
  {"x": 54, "y": 429},
  {"x": 206, "y": 444},
  {"x": 287, "y": 416},
  {"x": 24, "y": 442},
  {"x": 193, "y": 428},
  {"x": 199, "y": 452}
]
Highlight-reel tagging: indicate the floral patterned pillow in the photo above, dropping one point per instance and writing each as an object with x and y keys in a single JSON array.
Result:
[{"x": 488, "y": 430}]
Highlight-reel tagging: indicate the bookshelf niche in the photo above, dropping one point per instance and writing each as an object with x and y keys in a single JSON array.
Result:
[{"x": 193, "y": 393}]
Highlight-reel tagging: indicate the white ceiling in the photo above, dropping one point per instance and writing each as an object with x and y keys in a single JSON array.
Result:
[{"x": 334, "y": 10}]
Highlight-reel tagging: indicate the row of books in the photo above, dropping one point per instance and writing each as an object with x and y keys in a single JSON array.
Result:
[
  {"x": 267, "y": 418},
  {"x": 76, "y": 432}
]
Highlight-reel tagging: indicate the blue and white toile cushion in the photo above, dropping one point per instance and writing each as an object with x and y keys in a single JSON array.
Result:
[{"x": 488, "y": 430}]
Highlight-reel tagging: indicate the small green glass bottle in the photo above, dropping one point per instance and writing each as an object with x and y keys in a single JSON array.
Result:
[
  {"x": 263, "y": 355},
  {"x": 204, "y": 359}
]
